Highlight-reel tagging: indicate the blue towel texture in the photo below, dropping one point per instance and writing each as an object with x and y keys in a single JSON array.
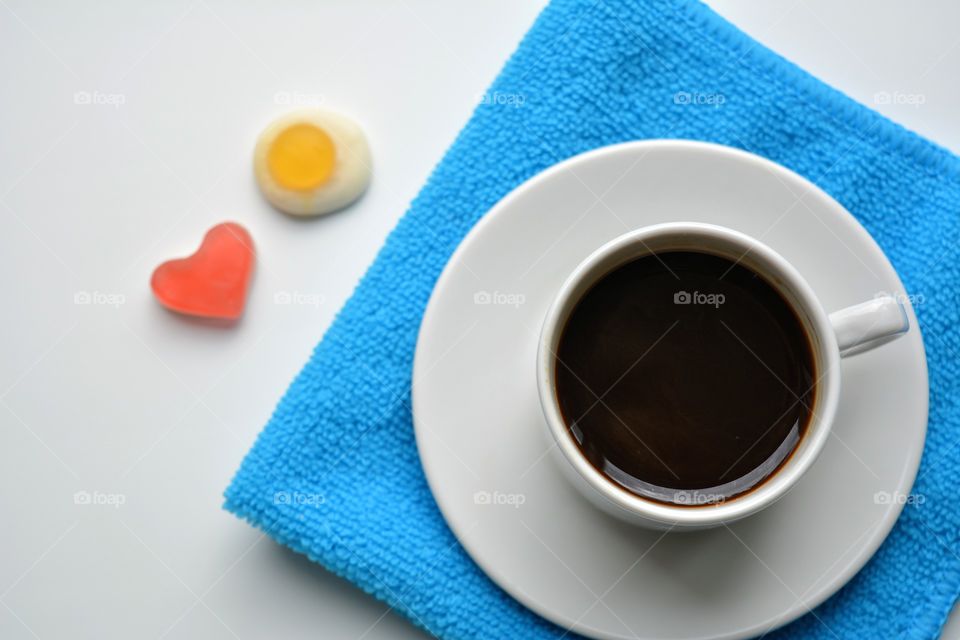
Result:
[{"x": 591, "y": 73}]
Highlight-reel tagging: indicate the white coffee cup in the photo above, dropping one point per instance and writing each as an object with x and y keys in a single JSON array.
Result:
[{"x": 851, "y": 330}]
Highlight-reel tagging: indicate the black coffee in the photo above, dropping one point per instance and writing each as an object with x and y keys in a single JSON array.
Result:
[{"x": 685, "y": 378}]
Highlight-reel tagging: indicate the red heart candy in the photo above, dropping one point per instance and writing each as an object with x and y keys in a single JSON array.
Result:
[{"x": 212, "y": 283}]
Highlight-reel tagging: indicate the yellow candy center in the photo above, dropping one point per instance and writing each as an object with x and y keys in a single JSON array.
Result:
[{"x": 301, "y": 157}]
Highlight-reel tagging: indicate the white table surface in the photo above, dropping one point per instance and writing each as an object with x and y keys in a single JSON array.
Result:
[{"x": 135, "y": 405}]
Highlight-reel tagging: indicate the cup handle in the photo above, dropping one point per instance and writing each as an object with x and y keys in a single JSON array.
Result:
[{"x": 869, "y": 324}]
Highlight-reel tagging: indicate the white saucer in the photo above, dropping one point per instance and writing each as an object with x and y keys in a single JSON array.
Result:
[{"x": 485, "y": 450}]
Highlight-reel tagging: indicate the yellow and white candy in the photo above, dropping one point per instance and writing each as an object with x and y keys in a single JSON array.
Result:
[{"x": 312, "y": 161}]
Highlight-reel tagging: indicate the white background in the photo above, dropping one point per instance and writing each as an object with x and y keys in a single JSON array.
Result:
[{"x": 124, "y": 399}]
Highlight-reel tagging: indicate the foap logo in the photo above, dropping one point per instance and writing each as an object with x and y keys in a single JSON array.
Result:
[
  {"x": 298, "y": 99},
  {"x": 696, "y": 98},
  {"x": 697, "y": 298},
  {"x": 498, "y": 499},
  {"x": 99, "y": 98},
  {"x": 500, "y": 99},
  {"x": 698, "y": 498},
  {"x": 298, "y": 298},
  {"x": 99, "y": 498},
  {"x": 298, "y": 498},
  {"x": 99, "y": 298},
  {"x": 904, "y": 298},
  {"x": 896, "y": 97},
  {"x": 885, "y": 497},
  {"x": 499, "y": 298}
]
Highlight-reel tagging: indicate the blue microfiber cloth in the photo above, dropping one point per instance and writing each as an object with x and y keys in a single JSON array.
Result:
[{"x": 588, "y": 74}]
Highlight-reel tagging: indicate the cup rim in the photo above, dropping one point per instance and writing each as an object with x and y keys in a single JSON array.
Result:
[{"x": 778, "y": 272}]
